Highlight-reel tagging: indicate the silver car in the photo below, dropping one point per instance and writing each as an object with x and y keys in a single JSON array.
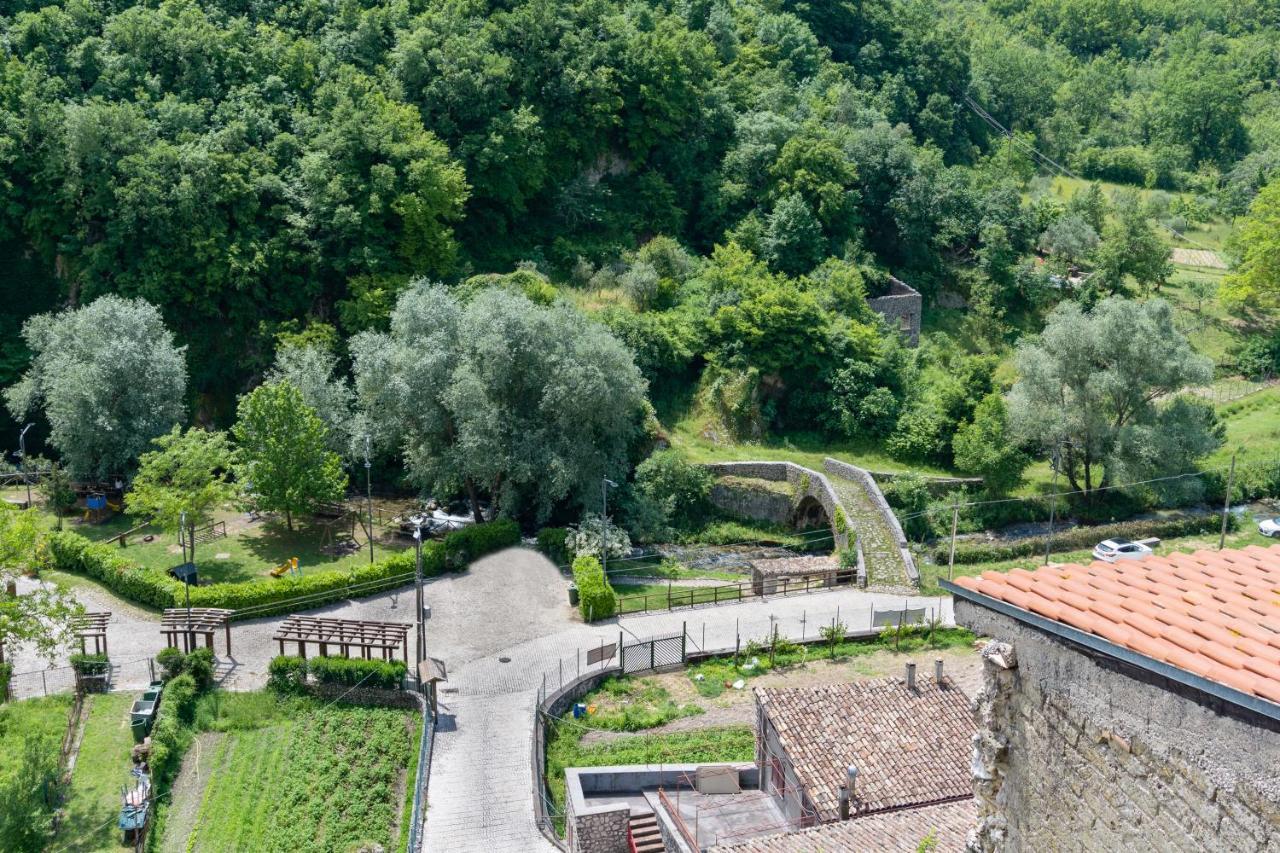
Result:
[{"x": 1269, "y": 527}]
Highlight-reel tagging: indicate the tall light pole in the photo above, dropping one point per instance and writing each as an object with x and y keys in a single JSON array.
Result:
[
  {"x": 605, "y": 483},
  {"x": 22, "y": 461},
  {"x": 419, "y": 627},
  {"x": 187, "y": 566},
  {"x": 368, "y": 493}
]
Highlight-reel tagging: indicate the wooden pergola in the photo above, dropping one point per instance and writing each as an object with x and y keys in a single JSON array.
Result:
[
  {"x": 175, "y": 623},
  {"x": 91, "y": 626},
  {"x": 347, "y": 634}
]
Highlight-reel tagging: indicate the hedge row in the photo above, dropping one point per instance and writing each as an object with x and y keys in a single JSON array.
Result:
[
  {"x": 288, "y": 673},
  {"x": 71, "y": 552},
  {"x": 596, "y": 598},
  {"x": 551, "y": 542},
  {"x": 1083, "y": 537}
]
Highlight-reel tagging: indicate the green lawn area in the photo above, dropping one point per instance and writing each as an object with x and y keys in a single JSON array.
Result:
[
  {"x": 1247, "y": 535},
  {"x": 1253, "y": 429},
  {"x": 300, "y": 775},
  {"x": 102, "y": 767},
  {"x": 31, "y": 733},
  {"x": 250, "y": 549},
  {"x": 803, "y": 448},
  {"x": 637, "y": 598},
  {"x": 564, "y": 749}
]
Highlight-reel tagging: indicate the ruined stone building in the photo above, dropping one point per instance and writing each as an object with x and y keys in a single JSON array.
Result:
[{"x": 1129, "y": 706}]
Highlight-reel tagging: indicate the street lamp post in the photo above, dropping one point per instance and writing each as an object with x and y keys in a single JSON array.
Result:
[
  {"x": 368, "y": 494},
  {"x": 419, "y": 628},
  {"x": 22, "y": 461},
  {"x": 186, "y": 536},
  {"x": 605, "y": 483}
]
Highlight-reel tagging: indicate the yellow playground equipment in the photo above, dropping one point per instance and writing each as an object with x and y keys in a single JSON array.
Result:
[{"x": 288, "y": 566}]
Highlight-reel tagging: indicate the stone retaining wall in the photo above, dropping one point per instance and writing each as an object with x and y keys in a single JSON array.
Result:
[
  {"x": 738, "y": 498},
  {"x": 806, "y": 483},
  {"x": 1073, "y": 745}
]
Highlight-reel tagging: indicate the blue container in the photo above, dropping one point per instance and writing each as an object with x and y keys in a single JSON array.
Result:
[
  {"x": 96, "y": 502},
  {"x": 579, "y": 711}
]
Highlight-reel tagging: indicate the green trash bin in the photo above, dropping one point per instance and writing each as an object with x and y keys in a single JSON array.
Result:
[
  {"x": 139, "y": 727},
  {"x": 573, "y": 595}
]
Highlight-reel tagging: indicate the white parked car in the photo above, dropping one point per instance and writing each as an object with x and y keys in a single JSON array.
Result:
[
  {"x": 1112, "y": 550},
  {"x": 1269, "y": 526}
]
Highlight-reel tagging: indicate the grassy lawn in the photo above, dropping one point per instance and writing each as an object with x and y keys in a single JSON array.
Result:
[
  {"x": 31, "y": 729},
  {"x": 1245, "y": 536},
  {"x": 637, "y": 598},
  {"x": 250, "y": 549},
  {"x": 1253, "y": 429},
  {"x": 807, "y": 449},
  {"x": 301, "y": 775},
  {"x": 564, "y": 749},
  {"x": 102, "y": 767}
]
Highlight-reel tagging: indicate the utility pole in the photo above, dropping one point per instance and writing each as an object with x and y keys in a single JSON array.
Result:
[
  {"x": 605, "y": 483},
  {"x": 419, "y": 628},
  {"x": 1226, "y": 503},
  {"x": 22, "y": 461},
  {"x": 951, "y": 560},
  {"x": 368, "y": 493},
  {"x": 1053, "y": 505}
]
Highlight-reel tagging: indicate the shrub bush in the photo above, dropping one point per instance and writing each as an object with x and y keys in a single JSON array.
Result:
[
  {"x": 551, "y": 541},
  {"x": 287, "y": 674},
  {"x": 349, "y": 672},
  {"x": 199, "y": 665},
  {"x": 470, "y": 543},
  {"x": 1083, "y": 537},
  {"x": 596, "y": 598},
  {"x": 180, "y": 696},
  {"x": 90, "y": 664},
  {"x": 172, "y": 661},
  {"x": 6, "y": 673},
  {"x": 73, "y": 553}
]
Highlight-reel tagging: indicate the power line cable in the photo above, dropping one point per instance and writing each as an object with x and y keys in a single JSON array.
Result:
[{"x": 1049, "y": 161}]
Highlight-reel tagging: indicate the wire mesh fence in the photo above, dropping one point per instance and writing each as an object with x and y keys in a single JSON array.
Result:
[{"x": 62, "y": 679}]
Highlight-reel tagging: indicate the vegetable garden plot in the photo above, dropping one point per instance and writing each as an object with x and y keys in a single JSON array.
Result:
[{"x": 320, "y": 781}]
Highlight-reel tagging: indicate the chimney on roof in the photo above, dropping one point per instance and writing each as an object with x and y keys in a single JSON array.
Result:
[
  {"x": 911, "y": 676},
  {"x": 847, "y": 791},
  {"x": 937, "y": 670}
]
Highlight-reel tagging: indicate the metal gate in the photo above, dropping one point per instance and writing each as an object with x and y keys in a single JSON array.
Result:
[{"x": 654, "y": 653}]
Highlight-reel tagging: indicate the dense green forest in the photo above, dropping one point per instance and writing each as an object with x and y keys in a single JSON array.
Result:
[{"x": 721, "y": 184}]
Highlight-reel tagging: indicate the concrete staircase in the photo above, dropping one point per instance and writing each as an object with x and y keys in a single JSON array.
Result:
[{"x": 645, "y": 834}]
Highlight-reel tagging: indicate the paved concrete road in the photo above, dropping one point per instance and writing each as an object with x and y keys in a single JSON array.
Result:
[{"x": 509, "y": 605}]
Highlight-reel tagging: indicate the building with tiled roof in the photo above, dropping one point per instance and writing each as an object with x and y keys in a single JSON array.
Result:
[
  {"x": 1129, "y": 705},
  {"x": 909, "y": 743},
  {"x": 944, "y": 824}
]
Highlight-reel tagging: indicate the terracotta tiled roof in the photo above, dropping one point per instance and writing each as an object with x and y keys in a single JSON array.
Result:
[
  {"x": 1212, "y": 613},
  {"x": 887, "y": 832},
  {"x": 911, "y": 747},
  {"x": 807, "y": 565}
]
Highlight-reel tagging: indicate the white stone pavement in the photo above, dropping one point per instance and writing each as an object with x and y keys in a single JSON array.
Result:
[{"x": 509, "y": 605}]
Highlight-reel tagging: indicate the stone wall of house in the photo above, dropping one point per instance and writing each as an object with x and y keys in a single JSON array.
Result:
[
  {"x": 1080, "y": 751},
  {"x": 601, "y": 831},
  {"x": 903, "y": 307}
]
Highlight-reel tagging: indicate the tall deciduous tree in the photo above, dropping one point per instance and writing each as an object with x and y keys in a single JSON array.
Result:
[
  {"x": 1131, "y": 247},
  {"x": 1257, "y": 277},
  {"x": 1088, "y": 391},
  {"x": 41, "y": 617},
  {"x": 109, "y": 379},
  {"x": 285, "y": 455},
  {"x": 312, "y": 369},
  {"x": 530, "y": 404},
  {"x": 188, "y": 473},
  {"x": 986, "y": 447}
]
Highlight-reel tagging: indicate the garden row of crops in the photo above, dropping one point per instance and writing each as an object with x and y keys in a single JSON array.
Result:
[{"x": 321, "y": 779}]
